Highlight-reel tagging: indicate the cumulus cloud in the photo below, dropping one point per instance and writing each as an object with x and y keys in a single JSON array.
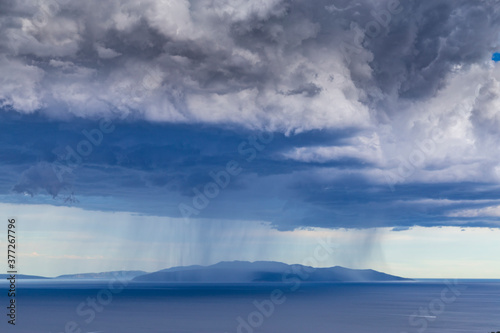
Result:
[
  {"x": 242, "y": 63},
  {"x": 274, "y": 65},
  {"x": 270, "y": 64},
  {"x": 411, "y": 86},
  {"x": 266, "y": 64}
]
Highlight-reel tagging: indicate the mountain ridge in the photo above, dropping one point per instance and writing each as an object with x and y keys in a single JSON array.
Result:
[
  {"x": 235, "y": 272},
  {"x": 103, "y": 275},
  {"x": 263, "y": 271}
]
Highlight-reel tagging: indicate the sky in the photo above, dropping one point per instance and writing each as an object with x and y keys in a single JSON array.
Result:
[{"x": 145, "y": 135}]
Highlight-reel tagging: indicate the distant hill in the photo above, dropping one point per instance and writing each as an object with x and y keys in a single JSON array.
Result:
[
  {"x": 22, "y": 277},
  {"x": 264, "y": 271},
  {"x": 126, "y": 275},
  {"x": 235, "y": 271}
]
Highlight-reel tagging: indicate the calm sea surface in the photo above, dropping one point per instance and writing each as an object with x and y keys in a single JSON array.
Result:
[{"x": 421, "y": 306}]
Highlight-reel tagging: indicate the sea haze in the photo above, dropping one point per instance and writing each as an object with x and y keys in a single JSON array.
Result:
[{"x": 385, "y": 307}]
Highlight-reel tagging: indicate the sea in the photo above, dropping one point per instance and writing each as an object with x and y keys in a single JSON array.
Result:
[{"x": 120, "y": 306}]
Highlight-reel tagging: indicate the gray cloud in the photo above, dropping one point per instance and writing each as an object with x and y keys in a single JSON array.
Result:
[
  {"x": 413, "y": 82},
  {"x": 41, "y": 177},
  {"x": 277, "y": 65}
]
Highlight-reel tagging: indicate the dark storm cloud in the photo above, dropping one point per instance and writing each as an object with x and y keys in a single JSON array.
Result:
[
  {"x": 164, "y": 60},
  {"x": 420, "y": 46},
  {"x": 382, "y": 113},
  {"x": 151, "y": 169}
]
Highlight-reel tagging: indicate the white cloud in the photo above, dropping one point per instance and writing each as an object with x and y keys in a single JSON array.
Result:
[
  {"x": 106, "y": 53},
  {"x": 20, "y": 85},
  {"x": 273, "y": 65},
  {"x": 211, "y": 65},
  {"x": 364, "y": 148},
  {"x": 492, "y": 211}
]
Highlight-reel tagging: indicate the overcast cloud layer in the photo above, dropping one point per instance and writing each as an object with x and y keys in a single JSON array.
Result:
[{"x": 377, "y": 113}]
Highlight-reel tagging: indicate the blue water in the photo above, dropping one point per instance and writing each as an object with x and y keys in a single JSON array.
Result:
[{"x": 422, "y": 306}]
